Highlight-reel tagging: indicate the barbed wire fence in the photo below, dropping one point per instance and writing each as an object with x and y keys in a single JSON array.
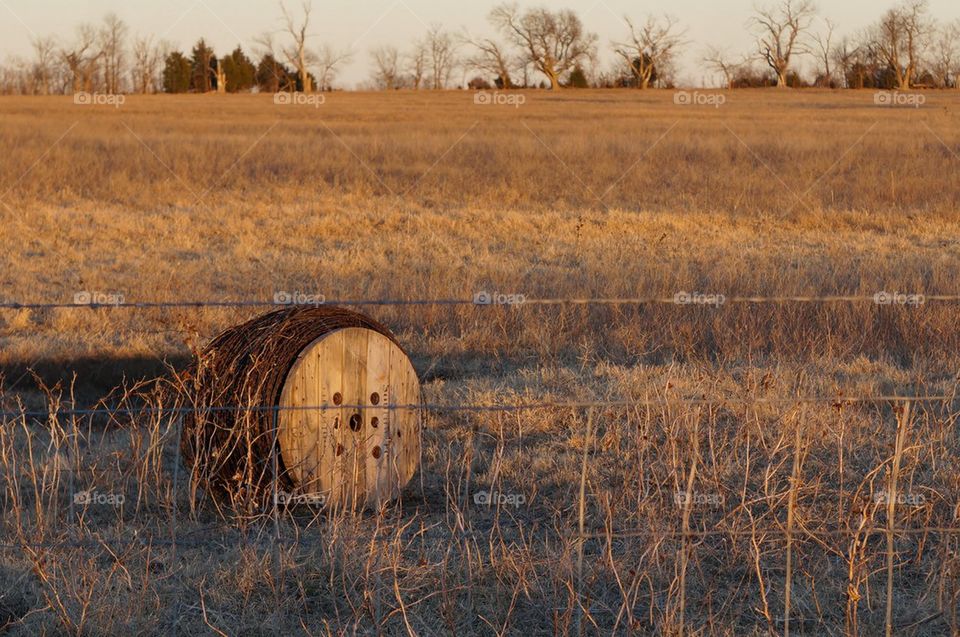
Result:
[
  {"x": 684, "y": 531},
  {"x": 109, "y": 301},
  {"x": 482, "y": 299},
  {"x": 900, "y": 402}
]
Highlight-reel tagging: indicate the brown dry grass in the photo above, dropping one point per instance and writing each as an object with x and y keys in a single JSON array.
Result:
[{"x": 428, "y": 195}]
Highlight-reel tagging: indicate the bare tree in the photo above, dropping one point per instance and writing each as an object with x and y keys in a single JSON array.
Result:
[
  {"x": 16, "y": 76},
  {"x": 781, "y": 29},
  {"x": 722, "y": 63},
  {"x": 846, "y": 57},
  {"x": 386, "y": 61},
  {"x": 147, "y": 60},
  {"x": 956, "y": 62},
  {"x": 442, "y": 48},
  {"x": 944, "y": 53},
  {"x": 492, "y": 57},
  {"x": 554, "y": 42},
  {"x": 823, "y": 42},
  {"x": 44, "y": 65},
  {"x": 651, "y": 46},
  {"x": 9, "y": 77},
  {"x": 900, "y": 38},
  {"x": 81, "y": 59},
  {"x": 297, "y": 53},
  {"x": 141, "y": 72},
  {"x": 113, "y": 32},
  {"x": 416, "y": 64},
  {"x": 328, "y": 62}
]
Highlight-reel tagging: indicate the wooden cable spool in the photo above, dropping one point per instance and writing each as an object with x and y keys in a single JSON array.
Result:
[{"x": 346, "y": 434}]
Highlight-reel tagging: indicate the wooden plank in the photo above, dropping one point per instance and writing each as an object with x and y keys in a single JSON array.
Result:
[
  {"x": 303, "y": 433},
  {"x": 309, "y": 441},
  {"x": 379, "y": 489},
  {"x": 354, "y": 390},
  {"x": 404, "y": 443},
  {"x": 394, "y": 421},
  {"x": 293, "y": 428},
  {"x": 410, "y": 385},
  {"x": 330, "y": 383}
]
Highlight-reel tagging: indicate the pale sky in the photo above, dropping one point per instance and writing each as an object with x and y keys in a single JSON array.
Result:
[{"x": 361, "y": 25}]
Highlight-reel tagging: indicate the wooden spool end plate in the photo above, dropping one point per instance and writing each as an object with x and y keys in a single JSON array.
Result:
[{"x": 344, "y": 455}]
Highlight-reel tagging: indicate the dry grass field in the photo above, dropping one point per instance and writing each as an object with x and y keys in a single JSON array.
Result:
[{"x": 726, "y": 457}]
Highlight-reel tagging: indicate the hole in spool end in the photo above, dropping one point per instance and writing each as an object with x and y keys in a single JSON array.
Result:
[
  {"x": 374, "y": 398},
  {"x": 356, "y": 422},
  {"x": 376, "y": 451},
  {"x": 337, "y": 398},
  {"x": 374, "y": 422}
]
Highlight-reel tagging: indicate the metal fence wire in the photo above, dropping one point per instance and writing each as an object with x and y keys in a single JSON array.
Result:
[{"x": 54, "y": 460}]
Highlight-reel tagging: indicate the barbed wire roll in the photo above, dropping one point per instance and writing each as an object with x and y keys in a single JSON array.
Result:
[{"x": 282, "y": 360}]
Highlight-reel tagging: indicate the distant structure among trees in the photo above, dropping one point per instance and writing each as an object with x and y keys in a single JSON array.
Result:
[{"x": 904, "y": 48}]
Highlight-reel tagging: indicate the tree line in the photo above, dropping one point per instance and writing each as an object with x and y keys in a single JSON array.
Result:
[{"x": 533, "y": 47}]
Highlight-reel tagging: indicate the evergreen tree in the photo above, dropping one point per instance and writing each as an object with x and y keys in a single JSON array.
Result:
[
  {"x": 578, "y": 79},
  {"x": 176, "y": 73},
  {"x": 239, "y": 71},
  {"x": 203, "y": 68},
  {"x": 273, "y": 77}
]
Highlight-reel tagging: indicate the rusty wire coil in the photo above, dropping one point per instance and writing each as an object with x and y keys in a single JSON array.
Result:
[{"x": 231, "y": 391}]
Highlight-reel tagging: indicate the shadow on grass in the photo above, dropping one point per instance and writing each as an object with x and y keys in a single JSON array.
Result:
[{"x": 91, "y": 377}]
